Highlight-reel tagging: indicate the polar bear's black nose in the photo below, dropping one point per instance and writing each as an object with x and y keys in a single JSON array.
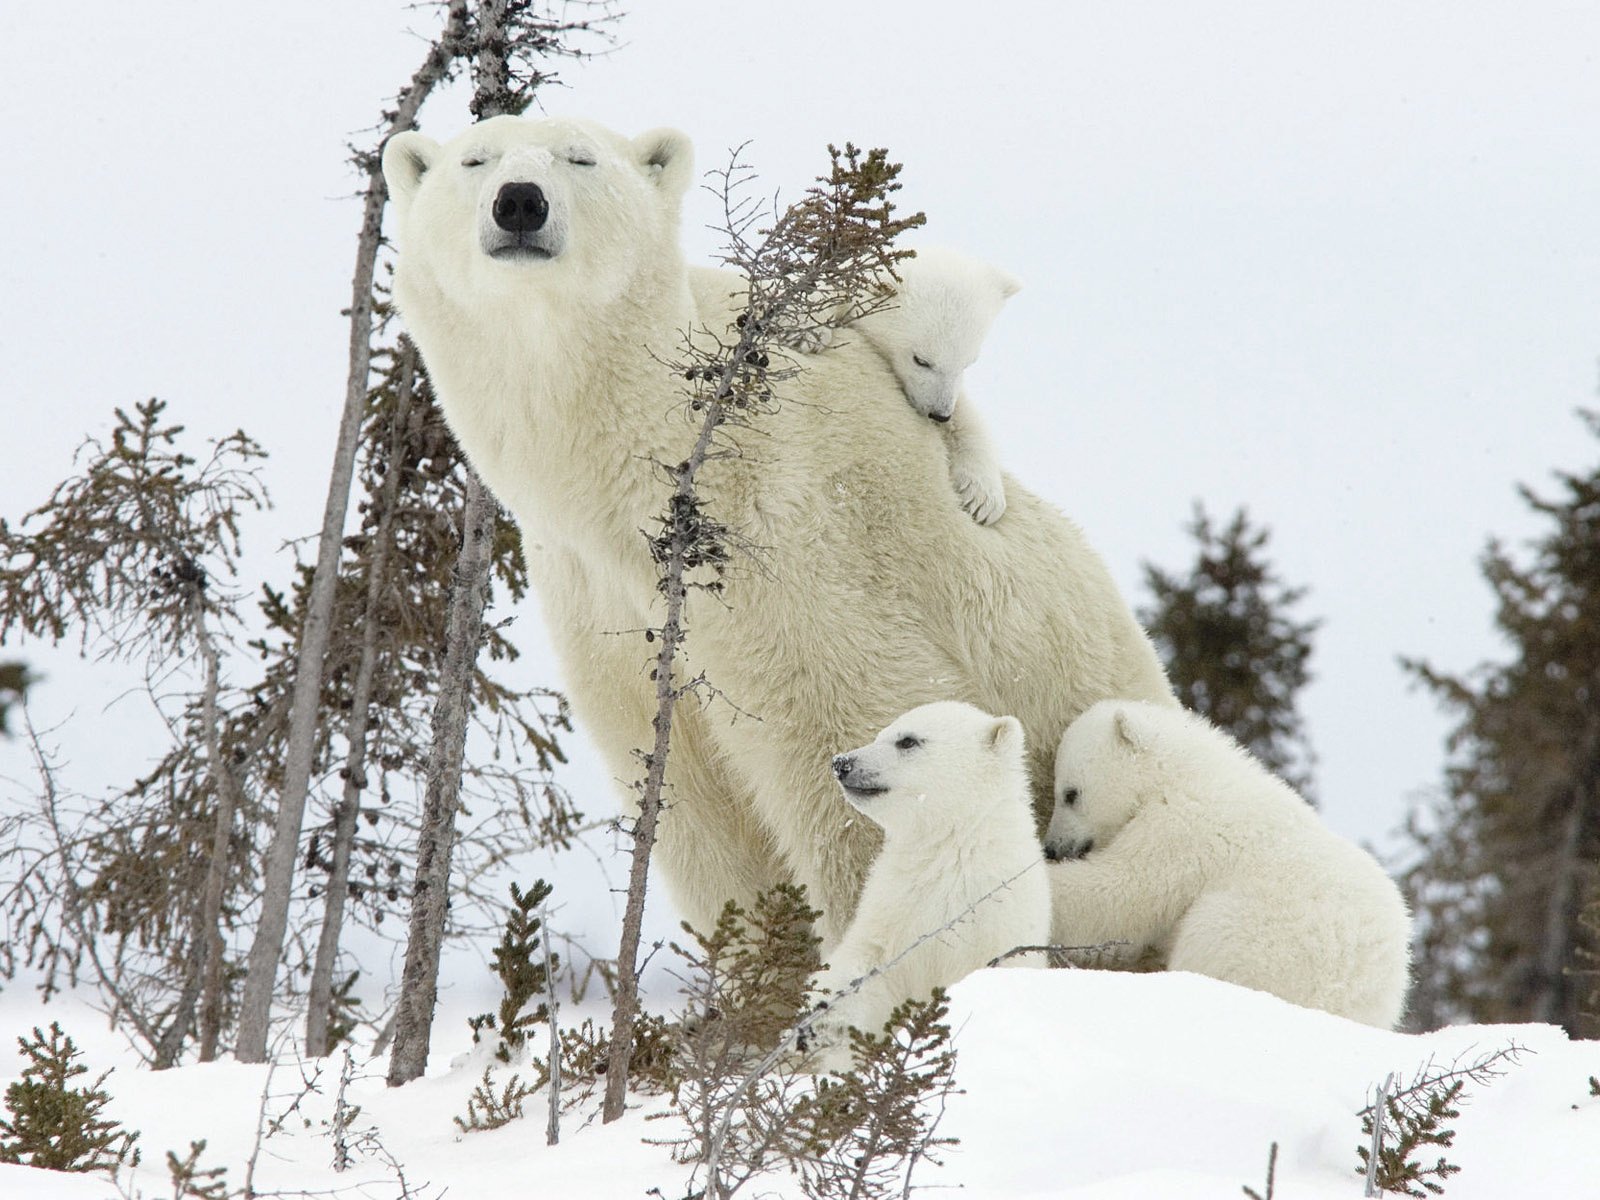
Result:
[
  {"x": 843, "y": 764},
  {"x": 521, "y": 208}
]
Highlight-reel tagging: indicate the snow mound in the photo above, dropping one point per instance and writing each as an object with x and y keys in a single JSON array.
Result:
[{"x": 1082, "y": 1085}]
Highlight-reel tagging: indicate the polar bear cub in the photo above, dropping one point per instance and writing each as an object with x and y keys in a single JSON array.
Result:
[
  {"x": 948, "y": 785},
  {"x": 1167, "y": 834},
  {"x": 930, "y": 330}
]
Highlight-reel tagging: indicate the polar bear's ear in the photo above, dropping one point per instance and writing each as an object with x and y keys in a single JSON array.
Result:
[
  {"x": 667, "y": 157},
  {"x": 1128, "y": 731},
  {"x": 406, "y": 158},
  {"x": 1005, "y": 735},
  {"x": 1008, "y": 283}
]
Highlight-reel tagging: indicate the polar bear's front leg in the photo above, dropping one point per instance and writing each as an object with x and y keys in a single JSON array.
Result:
[
  {"x": 845, "y": 995},
  {"x": 974, "y": 465},
  {"x": 1108, "y": 898}
]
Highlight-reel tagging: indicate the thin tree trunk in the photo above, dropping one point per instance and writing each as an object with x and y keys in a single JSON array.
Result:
[
  {"x": 552, "y": 1127},
  {"x": 226, "y": 791},
  {"x": 319, "y": 997},
  {"x": 255, "y": 1005},
  {"x": 204, "y": 985},
  {"x": 430, "y": 900},
  {"x": 625, "y": 1001},
  {"x": 169, "y": 1047}
]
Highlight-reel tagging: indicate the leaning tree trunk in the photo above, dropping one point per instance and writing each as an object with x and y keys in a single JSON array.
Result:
[
  {"x": 255, "y": 1004},
  {"x": 430, "y": 898},
  {"x": 319, "y": 995}
]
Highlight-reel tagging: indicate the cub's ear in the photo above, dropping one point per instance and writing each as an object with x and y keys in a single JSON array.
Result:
[
  {"x": 1005, "y": 735},
  {"x": 1126, "y": 727},
  {"x": 406, "y": 158},
  {"x": 667, "y": 157}
]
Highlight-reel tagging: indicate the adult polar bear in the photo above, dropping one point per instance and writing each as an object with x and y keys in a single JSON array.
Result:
[{"x": 540, "y": 274}]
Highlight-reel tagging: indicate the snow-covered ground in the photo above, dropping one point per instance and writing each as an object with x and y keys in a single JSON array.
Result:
[{"x": 1079, "y": 1084}]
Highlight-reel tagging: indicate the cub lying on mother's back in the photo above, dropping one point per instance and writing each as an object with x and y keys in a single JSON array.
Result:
[
  {"x": 929, "y": 325},
  {"x": 947, "y": 784},
  {"x": 1191, "y": 847}
]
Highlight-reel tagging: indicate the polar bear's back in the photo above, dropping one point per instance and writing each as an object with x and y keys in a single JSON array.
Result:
[
  {"x": 1325, "y": 929},
  {"x": 1287, "y": 905}
]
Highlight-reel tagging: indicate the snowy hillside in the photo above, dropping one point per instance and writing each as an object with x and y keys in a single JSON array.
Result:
[{"x": 1078, "y": 1084}]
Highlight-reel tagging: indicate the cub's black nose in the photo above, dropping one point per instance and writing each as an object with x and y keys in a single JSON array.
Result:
[
  {"x": 842, "y": 765},
  {"x": 521, "y": 208}
]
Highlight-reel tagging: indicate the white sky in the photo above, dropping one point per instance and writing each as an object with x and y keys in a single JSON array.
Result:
[{"x": 1338, "y": 263}]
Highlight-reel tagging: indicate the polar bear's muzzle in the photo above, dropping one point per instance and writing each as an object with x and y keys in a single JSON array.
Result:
[
  {"x": 1067, "y": 849},
  {"x": 521, "y": 208},
  {"x": 521, "y": 225},
  {"x": 858, "y": 782}
]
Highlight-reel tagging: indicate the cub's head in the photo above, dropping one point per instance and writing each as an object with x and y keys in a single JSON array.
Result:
[
  {"x": 516, "y": 206},
  {"x": 940, "y": 764},
  {"x": 938, "y": 317},
  {"x": 1106, "y": 770}
]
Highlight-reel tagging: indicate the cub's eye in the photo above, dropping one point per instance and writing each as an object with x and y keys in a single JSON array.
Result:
[
  {"x": 579, "y": 159},
  {"x": 1069, "y": 797},
  {"x": 908, "y": 742},
  {"x": 922, "y": 362},
  {"x": 473, "y": 160}
]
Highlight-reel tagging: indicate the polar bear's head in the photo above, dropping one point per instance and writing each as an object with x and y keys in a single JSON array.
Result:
[
  {"x": 934, "y": 325},
  {"x": 1109, "y": 764},
  {"x": 518, "y": 209},
  {"x": 938, "y": 766}
]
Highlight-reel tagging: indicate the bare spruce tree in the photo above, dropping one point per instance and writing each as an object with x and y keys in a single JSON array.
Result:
[
  {"x": 137, "y": 555},
  {"x": 815, "y": 266}
]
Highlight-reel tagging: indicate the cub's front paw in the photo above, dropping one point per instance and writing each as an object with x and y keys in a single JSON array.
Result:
[{"x": 980, "y": 489}]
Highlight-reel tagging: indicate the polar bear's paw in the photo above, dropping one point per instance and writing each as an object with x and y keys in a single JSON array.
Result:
[
  {"x": 823, "y": 1049},
  {"x": 979, "y": 487}
]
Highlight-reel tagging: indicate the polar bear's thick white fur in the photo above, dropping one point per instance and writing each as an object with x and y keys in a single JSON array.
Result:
[
  {"x": 1168, "y": 834},
  {"x": 948, "y": 786},
  {"x": 540, "y": 274},
  {"x": 930, "y": 331}
]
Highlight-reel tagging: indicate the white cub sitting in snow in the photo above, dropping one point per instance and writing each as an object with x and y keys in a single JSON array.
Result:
[
  {"x": 930, "y": 332},
  {"x": 1167, "y": 834},
  {"x": 947, "y": 784}
]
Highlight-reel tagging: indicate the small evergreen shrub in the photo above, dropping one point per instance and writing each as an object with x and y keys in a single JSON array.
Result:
[
  {"x": 1418, "y": 1116},
  {"x": 490, "y": 1108},
  {"x": 519, "y": 961},
  {"x": 52, "y": 1124},
  {"x": 190, "y": 1181}
]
